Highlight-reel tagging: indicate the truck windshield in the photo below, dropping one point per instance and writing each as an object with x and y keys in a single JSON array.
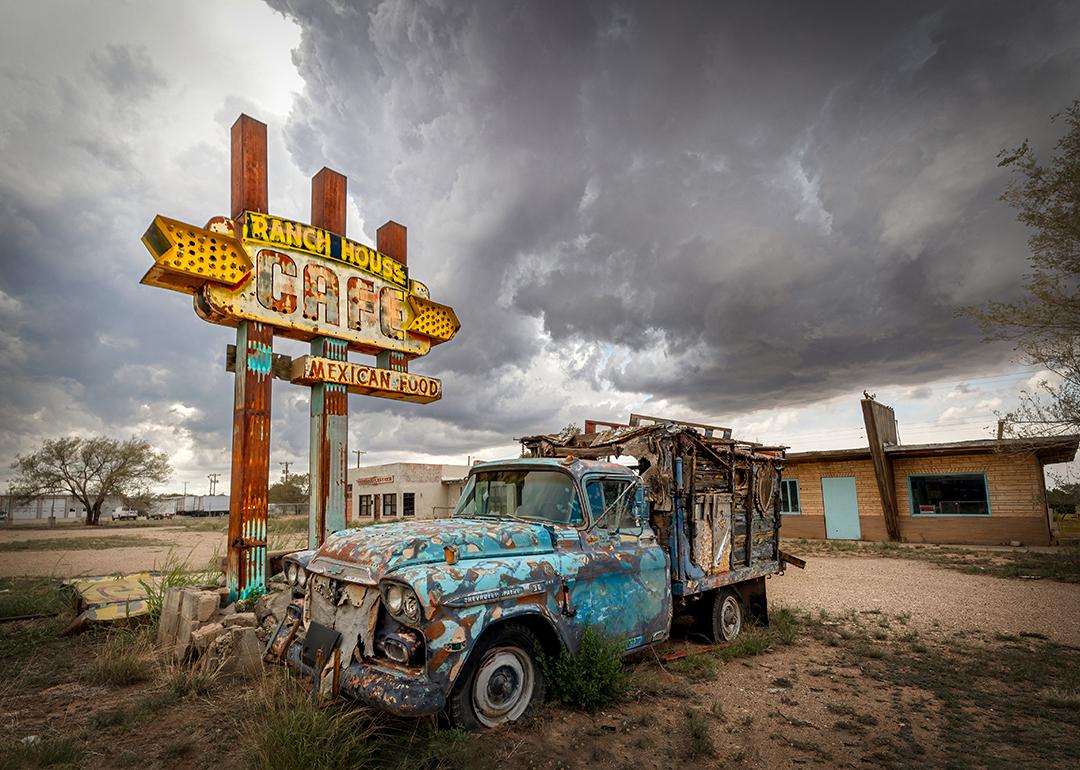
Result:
[{"x": 520, "y": 494}]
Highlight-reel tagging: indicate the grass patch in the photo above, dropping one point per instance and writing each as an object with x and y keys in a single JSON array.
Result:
[
  {"x": 287, "y": 732},
  {"x": 59, "y": 751},
  {"x": 173, "y": 573},
  {"x": 121, "y": 661},
  {"x": 696, "y": 667},
  {"x": 76, "y": 543},
  {"x": 697, "y": 726},
  {"x": 591, "y": 678},
  {"x": 33, "y": 596}
]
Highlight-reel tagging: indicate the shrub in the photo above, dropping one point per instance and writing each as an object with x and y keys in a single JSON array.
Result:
[
  {"x": 592, "y": 677},
  {"x": 701, "y": 743}
]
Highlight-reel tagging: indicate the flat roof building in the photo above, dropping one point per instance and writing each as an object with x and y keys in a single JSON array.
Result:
[
  {"x": 983, "y": 492},
  {"x": 395, "y": 491}
]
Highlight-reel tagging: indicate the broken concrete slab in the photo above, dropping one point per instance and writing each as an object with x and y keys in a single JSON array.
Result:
[
  {"x": 199, "y": 605},
  {"x": 241, "y": 620},
  {"x": 202, "y": 637}
]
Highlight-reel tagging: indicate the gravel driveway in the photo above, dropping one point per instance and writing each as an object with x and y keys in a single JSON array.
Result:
[{"x": 936, "y": 597}]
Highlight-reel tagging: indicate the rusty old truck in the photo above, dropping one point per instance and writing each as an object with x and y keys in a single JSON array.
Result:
[{"x": 419, "y": 617}]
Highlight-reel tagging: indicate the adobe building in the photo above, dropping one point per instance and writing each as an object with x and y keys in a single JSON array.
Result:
[
  {"x": 984, "y": 492},
  {"x": 396, "y": 491}
]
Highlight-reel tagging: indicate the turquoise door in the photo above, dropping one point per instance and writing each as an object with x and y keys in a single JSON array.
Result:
[{"x": 841, "y": 508}]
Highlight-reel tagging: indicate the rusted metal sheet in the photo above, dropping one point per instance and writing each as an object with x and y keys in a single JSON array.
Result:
[
  {"x": 328, "y": 448},
  {"x": 246, "y": 566},
  {"x": 366, "y": 380}
]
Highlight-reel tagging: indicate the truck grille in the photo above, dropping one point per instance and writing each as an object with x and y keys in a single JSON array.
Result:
[{"x": 350, "y": 608}]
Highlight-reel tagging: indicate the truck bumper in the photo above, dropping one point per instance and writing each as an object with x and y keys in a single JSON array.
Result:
[{"x": 394, "y": 691}]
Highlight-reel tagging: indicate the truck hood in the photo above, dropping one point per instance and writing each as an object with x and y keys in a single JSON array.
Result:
[{"x": 367, "y": 554}]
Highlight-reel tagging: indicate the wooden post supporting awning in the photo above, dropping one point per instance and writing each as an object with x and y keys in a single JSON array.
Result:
[{"x": 880, "y": 421}]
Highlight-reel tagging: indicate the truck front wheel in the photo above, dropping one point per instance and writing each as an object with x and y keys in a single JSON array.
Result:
[
  {"x": 502, "y": 680},
  {"x": 724, "y": 618}
]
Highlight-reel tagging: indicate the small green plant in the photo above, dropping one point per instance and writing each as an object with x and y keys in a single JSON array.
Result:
[
  {"x": 173, "y": 573},
  {"x": 696, "y": 667},
  {"x": 592, "y": 677},
  {"x": 783, "y": 681},
  {"x": 248, "y": 604},
  {"x": 701, "y": 743}
]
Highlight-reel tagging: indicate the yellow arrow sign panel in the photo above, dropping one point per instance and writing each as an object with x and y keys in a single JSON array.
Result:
[
  {"x": 438, "y": 322},
  {"x": 186, "y": 257}
]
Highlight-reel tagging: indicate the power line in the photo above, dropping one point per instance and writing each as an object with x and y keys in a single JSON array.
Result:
[{"x": 286, "y": 473}]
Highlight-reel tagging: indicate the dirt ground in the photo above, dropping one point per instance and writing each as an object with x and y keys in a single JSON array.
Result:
[
  {"x": 184, "y": 542},
  {"x": 884, "y": 662}
]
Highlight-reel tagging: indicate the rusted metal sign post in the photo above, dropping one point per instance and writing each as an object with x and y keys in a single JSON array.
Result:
[{"x": 267, "y": 276}]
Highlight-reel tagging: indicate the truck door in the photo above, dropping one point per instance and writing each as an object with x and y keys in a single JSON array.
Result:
[{"x": 626, "y": 587}]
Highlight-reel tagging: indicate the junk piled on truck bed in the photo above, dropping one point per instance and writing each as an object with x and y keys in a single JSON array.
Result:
[{"x": 718, "y": 494}]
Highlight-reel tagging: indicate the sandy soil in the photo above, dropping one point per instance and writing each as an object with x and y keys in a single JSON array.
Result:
[{"x": 936, "y": 597}]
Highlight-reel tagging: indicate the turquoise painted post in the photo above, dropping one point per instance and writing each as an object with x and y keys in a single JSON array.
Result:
[{"x": 329, "y": 449}]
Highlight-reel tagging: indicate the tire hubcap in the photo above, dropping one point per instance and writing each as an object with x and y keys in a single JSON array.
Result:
[
  {"x": 503, "y": 686},
  {"x": 730, "y": 618}
]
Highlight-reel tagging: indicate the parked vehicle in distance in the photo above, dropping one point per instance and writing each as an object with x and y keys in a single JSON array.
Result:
[
  {"x": 124, "y": 514},
  {"x": 447, "y": 615}
]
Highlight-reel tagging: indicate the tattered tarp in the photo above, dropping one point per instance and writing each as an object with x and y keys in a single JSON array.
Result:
[{"x": 111, "y": 598}]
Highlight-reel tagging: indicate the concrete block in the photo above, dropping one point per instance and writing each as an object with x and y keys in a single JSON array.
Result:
[
  {"x": 280, "y": 603},
  {"x": 245, "y": 653},
  {"x": 241, "y": 620},
  {"x": 199, "y": 605},
  {"x": 202, "y": 636},
  {"x": 184, "y": 631},
  {"x": 223, "y": 596},
  {"x": 170, "y": 616}
]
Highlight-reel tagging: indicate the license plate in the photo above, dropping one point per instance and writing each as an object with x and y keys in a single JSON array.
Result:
[{"x": 319, "y": 638}]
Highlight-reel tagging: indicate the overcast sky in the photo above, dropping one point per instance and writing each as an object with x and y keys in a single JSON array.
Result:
[{"x": 743, "y": 213}]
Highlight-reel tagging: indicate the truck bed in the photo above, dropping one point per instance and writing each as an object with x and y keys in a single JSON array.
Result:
[{"x": 714, "y": 502}]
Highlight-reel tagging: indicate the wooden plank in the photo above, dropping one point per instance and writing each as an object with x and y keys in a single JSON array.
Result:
[
  {"x": 249, "y": 178},
  {"x": 392, "y": 240},
  {"x": 794, "y": 561},
  {"x": 881, "y": 430},
  {"x": 280, "y": 365}
]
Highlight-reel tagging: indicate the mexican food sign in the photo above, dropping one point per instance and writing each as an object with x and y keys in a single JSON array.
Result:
[{"x": 302, "y": 280}]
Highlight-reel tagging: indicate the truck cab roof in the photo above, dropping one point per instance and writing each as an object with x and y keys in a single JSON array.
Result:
[{"x": 575, "y": 466}]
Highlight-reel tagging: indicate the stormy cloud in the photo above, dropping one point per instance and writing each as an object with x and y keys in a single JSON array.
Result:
[{"x": 706, "y": 209}]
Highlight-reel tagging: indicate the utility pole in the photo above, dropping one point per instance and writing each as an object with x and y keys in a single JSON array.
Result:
[
  {"x": 185, "y": 489},
  {"x": 213, "y": 481},
  {"x": 286, "y": 473},
  {"x": 358, "y": 452}
]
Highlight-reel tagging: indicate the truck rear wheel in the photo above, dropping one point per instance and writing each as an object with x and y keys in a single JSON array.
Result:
[
  {"x": 502, "y": 681},
  {"x": 723, "y": 616}
]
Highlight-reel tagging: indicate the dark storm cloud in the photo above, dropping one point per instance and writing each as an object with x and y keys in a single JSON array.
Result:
[
  {"x": 742, "y": 205},
  {"x": 127, "y": 72}
]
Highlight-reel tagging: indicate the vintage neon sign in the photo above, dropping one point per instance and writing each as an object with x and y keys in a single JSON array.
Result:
[{"x": 302, "y": 280}]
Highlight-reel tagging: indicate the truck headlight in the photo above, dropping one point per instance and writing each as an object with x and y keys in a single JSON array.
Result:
[
  {"x": 401, "y": 602},
  {"x": 290, "y": 572},
  {"x": 301, "y": 577}
]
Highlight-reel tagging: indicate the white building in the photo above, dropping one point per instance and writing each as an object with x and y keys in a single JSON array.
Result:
[{"x": 397, "y": 491}]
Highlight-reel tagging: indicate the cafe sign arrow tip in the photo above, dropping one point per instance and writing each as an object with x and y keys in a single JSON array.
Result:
[
  {"x": 430, "y": 319},
  {"x": 186, "y": 257}
]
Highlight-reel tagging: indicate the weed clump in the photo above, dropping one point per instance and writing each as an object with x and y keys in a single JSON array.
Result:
[
  {"x": 122, "y": 661},
  {"x": 591, "y": 678},
  {"x": 701, "y": 743},
  {"x": 56, "y": 751}
]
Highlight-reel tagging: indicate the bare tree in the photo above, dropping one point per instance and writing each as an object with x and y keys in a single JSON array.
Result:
[
  {"x": 91, "y": 470},
  {"x": 1045, "y": 325}
]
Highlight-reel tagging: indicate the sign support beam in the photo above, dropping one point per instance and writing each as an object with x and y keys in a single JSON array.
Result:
[
  {"x": 329, "y": 449},
  {"x": 250, "y": 477}
]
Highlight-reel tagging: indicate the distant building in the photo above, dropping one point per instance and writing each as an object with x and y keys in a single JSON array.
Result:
[
  {"x": 985, "y": 492},
  {"x": 396, "y": 491},
  {"x": 60, "y": 506}
]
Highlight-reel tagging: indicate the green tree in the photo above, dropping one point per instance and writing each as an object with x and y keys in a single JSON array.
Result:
[
  {"x": 1044, "y": 326},
  {"x": 1064, "y": 498},
  {"x": 293, "y": 489},
  {"x": 90, "y": 470}
]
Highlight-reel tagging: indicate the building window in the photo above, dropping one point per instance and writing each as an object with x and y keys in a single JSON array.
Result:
[
  {"x": 789, "y": 496},
  {"x": 389, "y": 505},
  {"x": 365, "y": 505},
  {"x": 955, "y": 494},
  {"x": 408, "y": 503}
]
